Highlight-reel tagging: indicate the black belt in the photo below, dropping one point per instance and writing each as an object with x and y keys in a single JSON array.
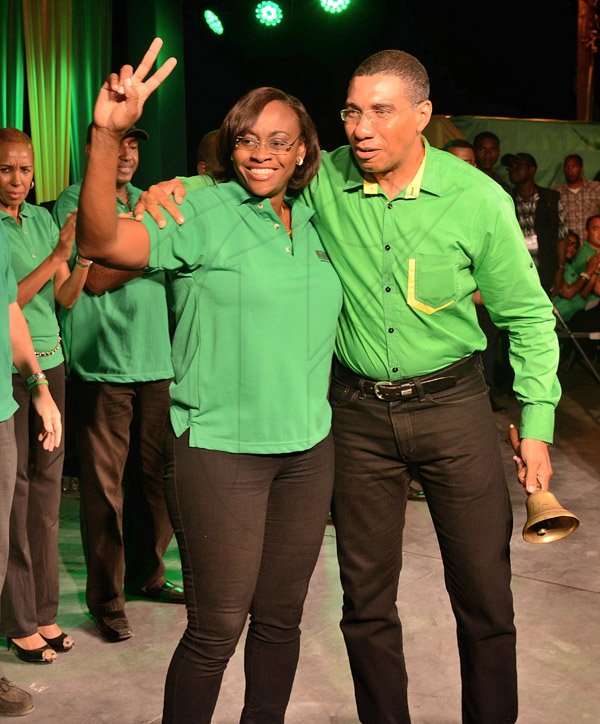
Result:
[{"x": 394, "y": 390}]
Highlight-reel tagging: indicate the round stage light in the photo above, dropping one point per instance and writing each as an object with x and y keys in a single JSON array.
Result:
[
  {"x": 268, "y": 13},
  {"x": 335, "y": 6},
  {"x": 213, "y": 22}
]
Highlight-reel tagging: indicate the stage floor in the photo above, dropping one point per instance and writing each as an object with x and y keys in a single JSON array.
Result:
[{"x": 557, "y": 602}]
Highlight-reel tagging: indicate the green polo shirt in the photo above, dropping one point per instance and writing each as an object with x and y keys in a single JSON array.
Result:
[
  {"x": 569, "y": 307},
  {"x": 30, "y": 243},
  {"x": 409, "y": 266},
  {"x": 256, "y": 319},
  {"x": 121, "y": 336},
  {"x": 8, "y": 295}
]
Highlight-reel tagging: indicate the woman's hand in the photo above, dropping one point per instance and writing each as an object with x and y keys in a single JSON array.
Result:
[
  {"x": 46, "y": 408},
  {"x": 66, "y": 240},
  {"x": 122, "y": 96}
]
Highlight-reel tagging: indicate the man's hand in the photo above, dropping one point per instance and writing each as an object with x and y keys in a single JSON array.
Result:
[
  {"x": 593, "y": 263},
  {"x": 48, "y": 411},
  {"x": 532, "y": 459},
  {"x": 122, "y": 97},
  {"x": 158, "y": 197}
]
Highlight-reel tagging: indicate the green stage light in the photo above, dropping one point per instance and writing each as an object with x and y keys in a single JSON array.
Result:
[
  {"x": 335, "y": 6},
  {"x": 213, "y": 22},
  {"x": 269, "y": 13}
]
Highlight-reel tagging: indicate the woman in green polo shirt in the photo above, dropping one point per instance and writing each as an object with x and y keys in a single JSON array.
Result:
[
  {"x": 29, "y": 601},
  {"x": 256, "y": 304}
]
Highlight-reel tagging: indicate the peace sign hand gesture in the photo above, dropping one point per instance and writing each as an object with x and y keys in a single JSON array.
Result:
[{"x": 122, "y": 96}]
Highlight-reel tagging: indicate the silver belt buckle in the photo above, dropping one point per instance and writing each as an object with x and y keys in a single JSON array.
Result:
[{"x": 377, "y": 385}]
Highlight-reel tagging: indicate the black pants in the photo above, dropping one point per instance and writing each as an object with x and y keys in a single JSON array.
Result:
[
  {"x": 451, "y": 436},
  {"x": 249, "y": 528},
  {"x": 120, "y": 435},
  {"x": 30, "y": 593}
]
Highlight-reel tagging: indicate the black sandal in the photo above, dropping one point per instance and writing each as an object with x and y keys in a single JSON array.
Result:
[
  {"x": 58, "y": 642},
  {"x": 31, "y": 656}
]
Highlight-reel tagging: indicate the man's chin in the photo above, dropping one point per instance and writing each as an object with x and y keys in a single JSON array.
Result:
[{"x": 368, "y": 165}]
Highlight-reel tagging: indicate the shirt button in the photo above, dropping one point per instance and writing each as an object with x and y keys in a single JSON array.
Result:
[
  {"x": 394, "y": 369},
  {"x": 288, "y": 249},
  {"x": 275, "y": 226},
  {"x": 391, "y": 330},
  {"x": 390, "y": 205},
  {"x": 260, "y": 206},
  {"x": 388, "y": 289},
  {"x": 387, "y": 247}
]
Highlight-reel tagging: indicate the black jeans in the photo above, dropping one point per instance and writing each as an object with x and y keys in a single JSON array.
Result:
[
  {"x": 451, "y": 437},
  {"x": 249, "y": 529}
]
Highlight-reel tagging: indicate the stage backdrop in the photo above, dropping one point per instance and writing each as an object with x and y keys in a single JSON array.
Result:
[
  {"x": 548, "y": 141},
  {"x": 53, "y": 58}
]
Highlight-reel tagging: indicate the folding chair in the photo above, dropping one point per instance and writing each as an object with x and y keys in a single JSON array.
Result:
[{"x": 564, "y": 332}]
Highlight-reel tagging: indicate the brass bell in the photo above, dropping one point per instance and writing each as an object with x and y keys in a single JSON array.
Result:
[{"x": 547, "y": 520}]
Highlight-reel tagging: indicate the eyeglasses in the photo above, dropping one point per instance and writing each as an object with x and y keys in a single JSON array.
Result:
[
  {"x": 375, "y": 115},
  {"x": 274, "y": 145}
]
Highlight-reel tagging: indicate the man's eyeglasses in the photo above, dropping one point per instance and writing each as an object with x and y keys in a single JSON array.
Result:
[
  {"x": 375, "y": 115},
  {"x": 274, "y": 145}
]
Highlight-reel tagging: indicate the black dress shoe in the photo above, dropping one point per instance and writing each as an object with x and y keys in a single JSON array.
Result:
[
  {"x": 113, "y": 627},
  {"x": 166, "y": 592}
]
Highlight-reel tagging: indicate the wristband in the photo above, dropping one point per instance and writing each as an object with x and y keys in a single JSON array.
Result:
[
  {"x": 82, "y": 262},
  {"x": 39, "y": 383},
  {"x": 585, "y": 276},
  {"x": 37, "y": 378}
]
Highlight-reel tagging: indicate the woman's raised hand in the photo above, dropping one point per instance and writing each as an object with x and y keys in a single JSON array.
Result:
[{"x": 122, "y": 96}]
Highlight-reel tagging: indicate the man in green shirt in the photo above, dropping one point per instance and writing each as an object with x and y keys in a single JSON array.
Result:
[
  {"x": 118, "y": 354},
  {"x": 16, "y": 345},
  {"x": 412, "y": 232}
]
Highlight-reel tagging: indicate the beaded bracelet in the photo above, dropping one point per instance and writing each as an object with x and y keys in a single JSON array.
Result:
[{"x": 36, "y": 379}]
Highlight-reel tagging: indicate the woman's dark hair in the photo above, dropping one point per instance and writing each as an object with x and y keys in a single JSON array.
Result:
[{"x": 240, "y": 119}]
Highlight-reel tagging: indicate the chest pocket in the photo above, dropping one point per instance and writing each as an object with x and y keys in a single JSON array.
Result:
[{"x": 431, "y": 283}]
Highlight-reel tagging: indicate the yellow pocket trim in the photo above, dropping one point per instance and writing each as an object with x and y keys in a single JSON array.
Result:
[{"x": 413, "y": 302}]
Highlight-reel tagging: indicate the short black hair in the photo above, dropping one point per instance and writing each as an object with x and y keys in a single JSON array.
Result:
[
  {"x": 482, "y": 135},
  {"x": 589, "y": 220},
  {"x": 405, "y": 66},
  {"x": 575, "y": 156},
  {"x": 207, "y": 147},
  {"x": 457, "y": 143}
]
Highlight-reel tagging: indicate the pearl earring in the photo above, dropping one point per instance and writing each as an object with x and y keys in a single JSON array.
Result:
[{"x": 299, "y": 161}]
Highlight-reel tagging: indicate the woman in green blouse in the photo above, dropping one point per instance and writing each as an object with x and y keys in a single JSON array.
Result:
[
  {"x": 39, "y": 253},
  {"x": 256, "y": 303}
]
